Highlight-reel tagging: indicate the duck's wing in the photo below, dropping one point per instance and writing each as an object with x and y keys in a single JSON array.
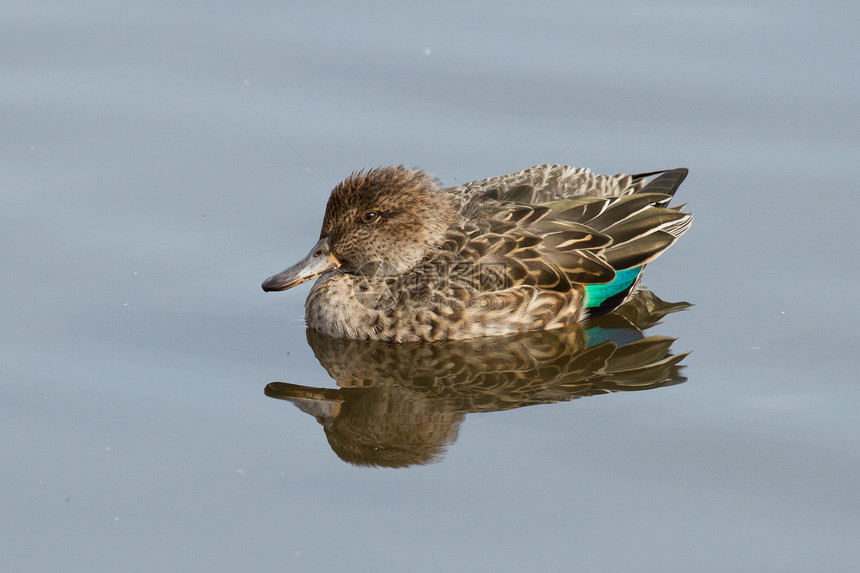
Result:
[
  {"x": 511, "y": 245},
  {"x": 588, "y": 238},
  {"x": 551, "y": 259}
]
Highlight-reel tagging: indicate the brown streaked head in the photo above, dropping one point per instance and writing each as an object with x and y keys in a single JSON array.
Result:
[
  {"x": 385, "y": 219},
  {"x": 381, "y": 221}
]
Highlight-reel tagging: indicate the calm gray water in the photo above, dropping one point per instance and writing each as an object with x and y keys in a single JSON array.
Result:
[{"x": 150, "y": 183}]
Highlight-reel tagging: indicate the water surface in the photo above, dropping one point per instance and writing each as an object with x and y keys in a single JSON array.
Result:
[{"x": 160, "y": 161}]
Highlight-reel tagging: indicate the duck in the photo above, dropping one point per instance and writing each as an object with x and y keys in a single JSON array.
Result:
[{"x": 400, "y": 258}]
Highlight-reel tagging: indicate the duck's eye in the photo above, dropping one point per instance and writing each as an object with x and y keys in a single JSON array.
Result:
[{"x": 369, "y": 217}]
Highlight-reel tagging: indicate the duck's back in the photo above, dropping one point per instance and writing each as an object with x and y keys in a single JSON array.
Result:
[{"x": 543, "y": 183}]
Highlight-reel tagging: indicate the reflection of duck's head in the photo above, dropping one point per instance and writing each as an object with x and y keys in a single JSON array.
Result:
[
  {"x": 388, "y": 426},
  {"x": 401, "y": 404}
]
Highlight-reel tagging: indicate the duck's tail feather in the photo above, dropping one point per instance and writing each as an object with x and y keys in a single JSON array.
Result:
[
  {"x": 667, "y": 181},
  {"x": 642, "y": 225}
]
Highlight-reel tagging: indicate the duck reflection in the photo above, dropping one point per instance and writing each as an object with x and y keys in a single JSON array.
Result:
[{"x": 399, "y": 405}]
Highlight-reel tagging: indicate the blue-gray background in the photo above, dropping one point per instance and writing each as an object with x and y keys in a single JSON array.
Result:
[{"x": 146, "y": 193}]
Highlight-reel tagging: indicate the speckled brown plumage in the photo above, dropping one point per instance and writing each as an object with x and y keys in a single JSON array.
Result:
[{"x": 403, "y": 259}]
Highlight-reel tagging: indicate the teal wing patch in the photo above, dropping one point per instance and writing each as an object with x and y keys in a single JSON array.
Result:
[{"x": 596, "y": 295}]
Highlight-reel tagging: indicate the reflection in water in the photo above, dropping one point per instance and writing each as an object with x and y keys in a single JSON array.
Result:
[{"x": 402, "y": 404}]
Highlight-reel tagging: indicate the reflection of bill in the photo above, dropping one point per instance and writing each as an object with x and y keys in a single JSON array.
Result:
[
  {"x": 401, "y": 404},
  {"x": 452, "y": 284}
]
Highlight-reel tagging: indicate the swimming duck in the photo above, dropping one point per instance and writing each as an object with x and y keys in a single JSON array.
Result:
[{"x": 402, "y": 259}]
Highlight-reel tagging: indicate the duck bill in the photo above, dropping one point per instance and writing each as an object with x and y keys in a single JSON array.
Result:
[
  {"x": 318, "y": 402},
  {"x": 318, "y": 262}
]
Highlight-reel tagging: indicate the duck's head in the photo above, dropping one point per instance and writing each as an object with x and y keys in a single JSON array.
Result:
[{"x": 381, "y": 221}]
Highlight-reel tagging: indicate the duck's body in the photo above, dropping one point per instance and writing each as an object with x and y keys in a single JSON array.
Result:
[{"x": 402, "y": 259}]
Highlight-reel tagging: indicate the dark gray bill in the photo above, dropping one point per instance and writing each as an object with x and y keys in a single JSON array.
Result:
[{"x": 319, "y": 261}]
